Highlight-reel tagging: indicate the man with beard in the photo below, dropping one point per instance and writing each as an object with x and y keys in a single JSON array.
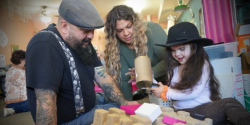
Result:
[{"x": 61, "y": 67}]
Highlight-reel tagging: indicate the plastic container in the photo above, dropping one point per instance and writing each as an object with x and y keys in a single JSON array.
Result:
[
  {"x": 155, "y": 100},
  {"x": 223, "y": 50}
]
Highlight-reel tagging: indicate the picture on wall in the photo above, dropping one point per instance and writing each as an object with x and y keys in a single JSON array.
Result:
[{"x": 14, "y": 48}]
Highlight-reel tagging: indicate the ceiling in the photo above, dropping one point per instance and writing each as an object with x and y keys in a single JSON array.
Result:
[{"x": 32, "y": 9}]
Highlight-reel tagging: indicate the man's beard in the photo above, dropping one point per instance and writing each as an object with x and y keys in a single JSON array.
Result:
[{"x": 85, "y": 53}]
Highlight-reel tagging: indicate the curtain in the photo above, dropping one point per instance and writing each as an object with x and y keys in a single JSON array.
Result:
[{"x": 218, "y": 20}]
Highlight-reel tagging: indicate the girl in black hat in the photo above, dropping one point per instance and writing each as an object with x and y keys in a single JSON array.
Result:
[{"x": 191, "y": 81}]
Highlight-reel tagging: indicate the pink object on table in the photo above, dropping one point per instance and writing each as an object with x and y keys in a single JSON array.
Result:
[
  {"x": 130, "y": 109},
  {"x": 171, "y": 120},
  {"x": 98, "y": 89},
  {"x": 180, "y": 121},
  {"x": 134, "y": 87}
]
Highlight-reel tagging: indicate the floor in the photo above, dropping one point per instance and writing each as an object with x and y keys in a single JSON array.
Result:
[{"x": 16, "y": 119}]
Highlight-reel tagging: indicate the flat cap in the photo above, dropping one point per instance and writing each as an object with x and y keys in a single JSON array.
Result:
[{"x": 81, "y": 13}]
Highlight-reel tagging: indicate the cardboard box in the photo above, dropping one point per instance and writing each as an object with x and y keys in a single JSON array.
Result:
[
  {"x": 150, "y": 111},
  {"x": 245, "y": 62},
  {"x": 158, "y": 101},
  {"x": 229, "y": 74},
  {"x": 242, "y": 33},
  {"x": 244, "y": 41}
]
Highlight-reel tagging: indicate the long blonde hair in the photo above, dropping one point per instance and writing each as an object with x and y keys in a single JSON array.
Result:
[{"x": 112, "y": 56}]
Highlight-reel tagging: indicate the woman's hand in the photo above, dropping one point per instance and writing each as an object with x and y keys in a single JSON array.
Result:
[
  {"x": 131, "y": 72},
  {"x": 158, "y": 90}
]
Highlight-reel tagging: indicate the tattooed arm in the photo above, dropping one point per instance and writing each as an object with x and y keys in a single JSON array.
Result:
[
  {"x": 109, "y": 87},
  {"x": 46, "y": 110}
]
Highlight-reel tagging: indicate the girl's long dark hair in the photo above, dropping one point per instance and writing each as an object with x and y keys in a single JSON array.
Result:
[{"x": 192, "y": 72}]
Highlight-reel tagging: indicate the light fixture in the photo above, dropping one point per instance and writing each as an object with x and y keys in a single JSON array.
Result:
[
  {"x": 137, "y": 5},
  {"x": 45, "y": 18},
  {"x": 181, "y": 6}
]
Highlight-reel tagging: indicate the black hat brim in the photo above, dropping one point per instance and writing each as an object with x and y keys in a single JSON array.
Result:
[{"x": 203, "y": 41}]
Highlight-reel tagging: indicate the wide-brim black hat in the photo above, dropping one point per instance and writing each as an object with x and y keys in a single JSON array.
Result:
[{"x": 184, "y": 32}]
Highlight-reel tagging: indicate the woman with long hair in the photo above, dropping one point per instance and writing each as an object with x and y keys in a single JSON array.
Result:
[{"x": 128, "y": 37}]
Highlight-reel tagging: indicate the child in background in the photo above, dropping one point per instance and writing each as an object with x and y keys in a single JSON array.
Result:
[{"x": 191, "y": 82}]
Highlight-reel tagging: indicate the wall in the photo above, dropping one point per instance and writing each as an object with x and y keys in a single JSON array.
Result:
[
  {"x": 155, "y": 19},
  {"x": 99, "y": 40},
  {"x": 18, "y": 32},
  {"x": 99, "y": 37},
  {"x": 39, "y": 25},
  {"x": 186, "y": 16}
]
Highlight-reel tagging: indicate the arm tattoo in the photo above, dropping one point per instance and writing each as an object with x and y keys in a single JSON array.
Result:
[
  {"x": 108, "y": 85},
  {"x": 46, "y": 110},
  {"x": 110, "y": 92},
  {"x": 101, "y": 71}
]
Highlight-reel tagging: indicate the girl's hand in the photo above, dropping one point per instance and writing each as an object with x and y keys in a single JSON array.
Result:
[
  {"x": 131, "y": 72},
  {"x": 158, "y": 90}
]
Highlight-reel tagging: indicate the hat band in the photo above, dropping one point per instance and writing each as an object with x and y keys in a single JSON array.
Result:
[{"x": 179, "y": 39}]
